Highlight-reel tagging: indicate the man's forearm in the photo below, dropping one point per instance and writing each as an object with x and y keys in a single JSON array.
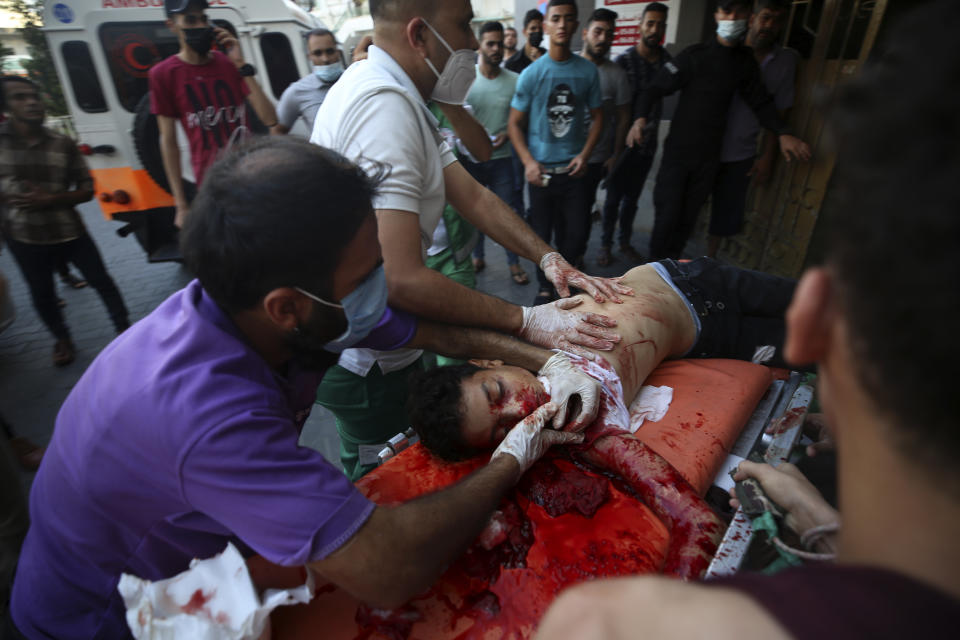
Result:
[
  {"x": 623, "y": 125},
  {"x": 593, "y": 136},
  {"x": 170, "y": 152},
  {"x": 429, "y": 294},
  {"x": 426, "y": 534},
  {"x": 518, "y": 138},
  {"x": 471, "y": 133},
  {"x": 261, "y": 104},
  {"x": 464, "y": 343},
  {"x": 71, "y": 198},
  {"x": 768, "y": 145}
]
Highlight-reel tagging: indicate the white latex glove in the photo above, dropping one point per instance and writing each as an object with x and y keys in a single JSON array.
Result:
[
  {"x": 567, "y": 381},
  {"x": 555, "y": 326},
  {"x": 563, "y": 276},
  {"x": 529, "y": 440}
]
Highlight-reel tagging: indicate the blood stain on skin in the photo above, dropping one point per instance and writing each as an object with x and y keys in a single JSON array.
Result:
[{"x": 528, "y": 399}]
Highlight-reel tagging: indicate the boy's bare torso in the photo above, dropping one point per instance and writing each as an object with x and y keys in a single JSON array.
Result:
[{"x": 654, "y": 325}]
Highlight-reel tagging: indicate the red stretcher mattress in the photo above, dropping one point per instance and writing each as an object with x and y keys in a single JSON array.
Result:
[{"x": 503, "y": 591}]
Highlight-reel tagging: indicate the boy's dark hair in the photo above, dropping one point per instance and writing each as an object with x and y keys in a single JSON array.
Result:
[
  {"x": 273, "y": 212},
  {"x": 896, "y": 229},
  {"x": 491, "y": 27},
  {"x": 5, "y": 80},
  {"x": 530, "y": 16},
  {"x": 602, "y": 15},
  {"x": 564, "y": 3},
  {"x": 658, "y": 7},
  {"x": 435, "y": 411}
]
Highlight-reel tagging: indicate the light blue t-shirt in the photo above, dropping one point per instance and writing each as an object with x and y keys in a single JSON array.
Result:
[
  {"x": 557, "y": 96},
  {"x": 490, "y": 100}
]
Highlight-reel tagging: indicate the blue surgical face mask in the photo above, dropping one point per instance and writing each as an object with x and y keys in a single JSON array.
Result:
[
  {"x": 329, "y": 73},
  {"x": 364, "y": 306},
  {"x": 732, "y": 30}
]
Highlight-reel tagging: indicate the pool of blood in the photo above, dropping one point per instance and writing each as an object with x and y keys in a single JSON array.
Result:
[
  {"x": 560, "y": 487},
  {"x": 564, "y": 523}
]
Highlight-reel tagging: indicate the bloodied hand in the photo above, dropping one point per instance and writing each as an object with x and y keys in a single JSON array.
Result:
[
  {"x": 529, "y": 440},
  {"x": 559, "y": 326},
  {"x": 566, "y": 383},
  {"x": 563, "y": 276}
]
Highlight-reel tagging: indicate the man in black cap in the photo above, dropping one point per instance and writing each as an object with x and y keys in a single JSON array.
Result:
[{"x": 206, "y": 91}]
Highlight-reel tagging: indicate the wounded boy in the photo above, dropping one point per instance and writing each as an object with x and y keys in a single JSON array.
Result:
[{"x": 696, "y": 309}]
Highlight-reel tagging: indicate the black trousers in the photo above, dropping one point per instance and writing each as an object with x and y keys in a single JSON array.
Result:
[
  {"x": 557, "y": 211},
  {"x": 729, "y": 197},
  {"x": 591, "y": 180},
  {"x": 739, "y": 309},
  {"x": 38, "y": 262},
  {"x": 683, "y": 184},
  {"x": 622, "y": 197}
]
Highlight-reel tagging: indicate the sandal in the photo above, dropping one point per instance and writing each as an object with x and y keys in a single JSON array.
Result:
[
  {"x": 544, "y": 296},
  {"x": 63, "y": 352},
  {"x": 604, "y": 258},
  {"x": 518, "y": 274},
  {"x": 479, "y": 265}
]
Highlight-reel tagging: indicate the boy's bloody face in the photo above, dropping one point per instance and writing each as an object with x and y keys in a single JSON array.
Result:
[{"x": 494, "y": 400}]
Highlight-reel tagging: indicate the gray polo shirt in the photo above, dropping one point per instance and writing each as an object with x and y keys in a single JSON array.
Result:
[
  {"x": 779, "y": 70},
  {"x": 302, "y": 99}
]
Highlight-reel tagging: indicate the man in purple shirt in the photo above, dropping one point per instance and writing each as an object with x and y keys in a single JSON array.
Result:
[{"x": 182, "y": 435}]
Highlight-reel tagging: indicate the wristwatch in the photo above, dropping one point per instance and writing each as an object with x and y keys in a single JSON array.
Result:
[{"x": 247, "y": 70}]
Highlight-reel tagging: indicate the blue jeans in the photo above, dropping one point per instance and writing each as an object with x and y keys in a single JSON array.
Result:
[{"x": 498, "y": 176}]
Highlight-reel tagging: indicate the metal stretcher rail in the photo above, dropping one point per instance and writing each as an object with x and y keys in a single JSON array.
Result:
[{"x": 784, "y": 408}]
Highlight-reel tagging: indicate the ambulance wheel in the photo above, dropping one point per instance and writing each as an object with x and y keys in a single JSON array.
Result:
[{"x": 146, "y": 141}]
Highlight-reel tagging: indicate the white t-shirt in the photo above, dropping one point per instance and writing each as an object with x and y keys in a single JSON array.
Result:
[{"x": 374, "y": 116}]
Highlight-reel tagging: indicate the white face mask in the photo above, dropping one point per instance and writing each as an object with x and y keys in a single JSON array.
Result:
[
  {"x": 458, "y": 75},
  {"x": 329, "y": 73},
  {"x": 731, "y": 30}
]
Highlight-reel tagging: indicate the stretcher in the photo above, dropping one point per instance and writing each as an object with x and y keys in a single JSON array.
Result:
[{"x": 501, "y": 587}]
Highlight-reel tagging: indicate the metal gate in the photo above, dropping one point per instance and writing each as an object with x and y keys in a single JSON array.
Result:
[{"x": 834, "y": 38}]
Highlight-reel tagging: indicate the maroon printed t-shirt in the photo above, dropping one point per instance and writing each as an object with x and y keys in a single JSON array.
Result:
[{"x": 208, "y": 99}]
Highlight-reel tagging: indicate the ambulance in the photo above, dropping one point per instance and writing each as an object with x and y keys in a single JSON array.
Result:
[{"x": 103, "y": 51}]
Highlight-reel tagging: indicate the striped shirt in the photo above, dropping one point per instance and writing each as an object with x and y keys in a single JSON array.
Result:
[{"x": 52, "y": 164}]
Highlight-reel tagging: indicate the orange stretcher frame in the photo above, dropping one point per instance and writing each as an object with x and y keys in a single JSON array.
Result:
[{"x": 713, "y": 400}]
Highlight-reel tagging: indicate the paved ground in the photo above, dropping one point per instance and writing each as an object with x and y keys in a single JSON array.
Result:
[{"x": 32, "y": 389}]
